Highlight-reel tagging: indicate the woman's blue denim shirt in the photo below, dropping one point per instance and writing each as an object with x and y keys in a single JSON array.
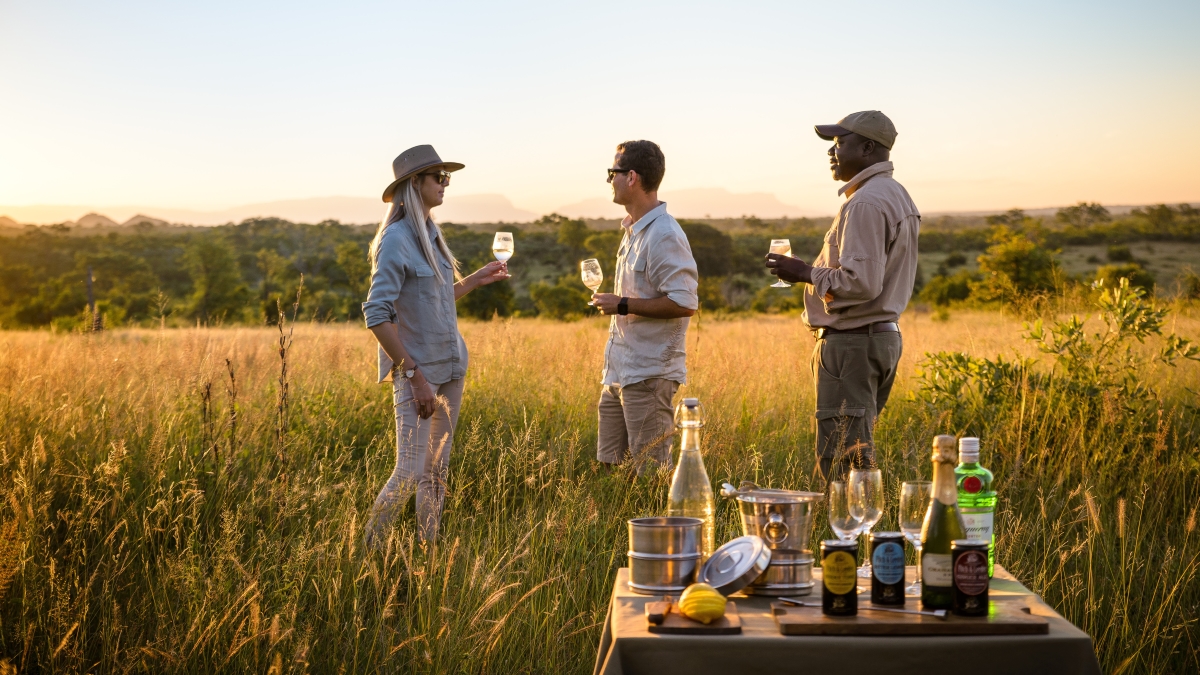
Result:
[{"x": 405, "y": 292}]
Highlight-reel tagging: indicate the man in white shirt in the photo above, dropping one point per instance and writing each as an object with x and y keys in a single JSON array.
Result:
[{"x": 654, "y": 296}]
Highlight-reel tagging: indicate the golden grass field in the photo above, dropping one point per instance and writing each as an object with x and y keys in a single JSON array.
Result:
[{"x": 157, "y": 518}]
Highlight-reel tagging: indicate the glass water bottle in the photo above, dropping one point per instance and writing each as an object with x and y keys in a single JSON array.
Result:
[{"x": 691, "y": 494}]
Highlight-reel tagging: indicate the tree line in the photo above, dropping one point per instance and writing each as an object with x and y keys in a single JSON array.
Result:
[{"x": 242, "y": 273}]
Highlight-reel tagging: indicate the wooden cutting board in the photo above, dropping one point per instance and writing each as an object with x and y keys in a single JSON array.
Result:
[
  {"x": 675, "y": 623},
  {"x": 1006, "y": 618}
]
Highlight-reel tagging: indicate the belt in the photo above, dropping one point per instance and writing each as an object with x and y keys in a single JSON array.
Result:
[{"x": 881, "y": 327}]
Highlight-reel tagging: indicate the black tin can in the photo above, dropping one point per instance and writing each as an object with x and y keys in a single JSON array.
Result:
[
  {"x": 969, "y": 565},
  {"x": 839, "y": 577},
  {"x": 887, "y": 568}
]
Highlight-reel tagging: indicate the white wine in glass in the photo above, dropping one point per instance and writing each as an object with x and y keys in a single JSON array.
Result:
[
  {"x": 592, "y": 275},
  {"x": 782, "y": 247},
  {"x": 502, "y": 246}
]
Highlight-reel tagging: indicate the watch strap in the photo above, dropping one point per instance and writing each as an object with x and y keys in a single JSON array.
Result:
[{"x": 623, "y": 307}]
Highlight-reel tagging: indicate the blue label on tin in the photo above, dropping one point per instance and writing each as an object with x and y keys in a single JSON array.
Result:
[{"x": 888, "y": 562}]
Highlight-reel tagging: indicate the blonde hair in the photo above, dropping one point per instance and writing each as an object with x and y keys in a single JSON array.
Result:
[{"x": 411, "y": 209}]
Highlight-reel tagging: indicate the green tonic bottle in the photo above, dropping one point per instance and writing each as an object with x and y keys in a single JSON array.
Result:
[
  {"x": 943, "y": 524},
  {"x": 976, "y": 499}
]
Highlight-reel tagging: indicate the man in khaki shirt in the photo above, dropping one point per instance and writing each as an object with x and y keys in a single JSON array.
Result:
[{"x": 857, "y": 288}]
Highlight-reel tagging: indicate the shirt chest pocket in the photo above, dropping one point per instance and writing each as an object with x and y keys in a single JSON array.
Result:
[
  {"x": 641, "y": 282},
  {"x": 434, "y": 324}
]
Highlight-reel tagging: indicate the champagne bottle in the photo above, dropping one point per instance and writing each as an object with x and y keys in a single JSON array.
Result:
[
  {"x": 691, "y": 493},
  {"x": 943, "y": 524},
  {"x": 976, "y": 498}
]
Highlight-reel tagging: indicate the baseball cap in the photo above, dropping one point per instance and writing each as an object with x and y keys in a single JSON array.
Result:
[{"x": 871, "y": 124}]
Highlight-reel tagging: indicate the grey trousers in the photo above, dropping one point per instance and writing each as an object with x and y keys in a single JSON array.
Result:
[
  {"x": 853, "y": 374},
  {"x": 422, "y": 459}
]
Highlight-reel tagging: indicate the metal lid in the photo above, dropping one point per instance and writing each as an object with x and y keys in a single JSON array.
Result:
[
  {"x": 839, "y": 545},
  {"x": 887, "y": 536},
  {"x": 736, "y": 564},
  {"x": 749, "y": 492}
]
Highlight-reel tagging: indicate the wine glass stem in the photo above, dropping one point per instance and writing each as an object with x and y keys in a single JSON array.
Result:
[{"x": 917, "y": 547}]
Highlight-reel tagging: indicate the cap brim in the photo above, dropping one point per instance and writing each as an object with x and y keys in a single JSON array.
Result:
[
  {"x": 829, "y": 131},
  {"x": 391, "y": 189}
]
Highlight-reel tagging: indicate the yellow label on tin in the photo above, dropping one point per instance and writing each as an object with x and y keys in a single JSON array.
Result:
[{"x": 840, "y": 572}]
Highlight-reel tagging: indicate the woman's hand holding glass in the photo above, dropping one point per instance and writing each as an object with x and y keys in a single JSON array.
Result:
[{"x": 491, "y": 273}]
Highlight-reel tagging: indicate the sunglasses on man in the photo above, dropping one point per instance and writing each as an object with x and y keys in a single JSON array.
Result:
[
  {"x": 442, "y": 177},
  {"x": 613, "y": 172}
]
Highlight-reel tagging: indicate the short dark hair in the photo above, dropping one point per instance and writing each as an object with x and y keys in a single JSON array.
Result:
[{"x": 646, "y": 158}]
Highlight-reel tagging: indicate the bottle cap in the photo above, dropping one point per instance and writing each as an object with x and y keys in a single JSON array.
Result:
[
  {"x": 689, "y": 414},
  {"x": 968, "y": 449}
]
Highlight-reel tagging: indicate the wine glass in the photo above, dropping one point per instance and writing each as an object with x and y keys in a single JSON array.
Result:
[
  {"x": 841, "y": 517},
  {"x": 866, "y": 503},
  {"x": 914, "y": 502},
  {"x": 592, "y": 275},
  {"x": 782, "y": 247},
  {"x": 502, "y": 246}
]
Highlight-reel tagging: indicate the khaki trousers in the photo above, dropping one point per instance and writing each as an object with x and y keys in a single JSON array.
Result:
[
  {"x": 422, "y": 460},
  {"x": 637, "y": 419},
  {"x": 853, "y": 374}
]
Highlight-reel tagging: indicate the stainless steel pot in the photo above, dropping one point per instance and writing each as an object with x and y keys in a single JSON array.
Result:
[
  {"x": 784, "y": 519},
  {"x": 664, "y": 554}
]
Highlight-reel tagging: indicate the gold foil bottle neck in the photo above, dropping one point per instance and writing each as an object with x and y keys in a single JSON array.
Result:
[{"x": 944, "y": 449}]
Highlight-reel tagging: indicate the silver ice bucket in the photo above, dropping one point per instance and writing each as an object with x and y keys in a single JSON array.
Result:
[{"x": 784, "y": 519}]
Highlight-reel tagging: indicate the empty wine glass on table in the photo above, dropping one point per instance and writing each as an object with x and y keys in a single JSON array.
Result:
[
  {"x": 502, "y": 246},
  {"x": 841, "y": 517},
  {"x": 592, "y": 275},
  {"x": 914, "y": 502},
  {"x": 866, "y": 503},
  {"x": 782, "y": 247}
]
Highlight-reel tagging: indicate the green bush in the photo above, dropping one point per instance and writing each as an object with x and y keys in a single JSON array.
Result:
[
  {"x": 1110, "y": 276},
  {"x": 1120, "y": 253},
  {"x": 566, "y": 299},
  {"x": 943, "y": 290},
  {"x": 1017, "y": 265}
]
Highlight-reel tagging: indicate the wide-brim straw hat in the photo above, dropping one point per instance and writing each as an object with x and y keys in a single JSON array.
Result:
[{"x": 413, "y": 161}]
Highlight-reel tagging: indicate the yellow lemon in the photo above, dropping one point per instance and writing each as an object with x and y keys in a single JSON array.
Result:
[{"x": 702, "y": 603}]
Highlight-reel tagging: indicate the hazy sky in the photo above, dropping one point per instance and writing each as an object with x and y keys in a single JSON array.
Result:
[{"x": 212, "y": 104}]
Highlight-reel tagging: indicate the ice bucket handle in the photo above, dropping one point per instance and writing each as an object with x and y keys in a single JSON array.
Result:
[{"x": 776, "y": 530}]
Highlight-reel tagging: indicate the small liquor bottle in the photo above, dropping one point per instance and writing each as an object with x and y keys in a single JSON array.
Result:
[
  {"x": 976, "y": 499},
  {"x": 943, "y": 524},
  {"x": 839, "y": 577},
  {"x": 887, "y": 568}
]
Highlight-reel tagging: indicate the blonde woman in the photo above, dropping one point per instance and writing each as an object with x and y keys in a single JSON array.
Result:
[{"x": 410, "y": 309}]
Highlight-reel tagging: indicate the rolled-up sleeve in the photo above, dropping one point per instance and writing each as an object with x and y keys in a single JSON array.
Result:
[
  {"x": 858, "y": 276},
  {"x": 386, "y": 281},
  {"x": 671, "y": 269}
]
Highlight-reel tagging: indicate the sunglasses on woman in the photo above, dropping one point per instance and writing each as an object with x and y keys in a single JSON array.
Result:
[{"x": 442, "y": 177}]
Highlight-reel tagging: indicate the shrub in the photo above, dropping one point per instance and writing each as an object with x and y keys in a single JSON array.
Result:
[
  {"x": 1110, "y": 276},
  {"x": 1120, "y": 253},
  {"x": 1016, "y": 265},
  {"x": 565, "y": 299},
  {"x": 942, "y": 290},
  {"x": 1189, "y": 284}
]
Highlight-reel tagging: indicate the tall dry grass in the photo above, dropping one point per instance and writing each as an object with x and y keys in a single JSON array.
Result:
[{"x": 147, "y": 524}]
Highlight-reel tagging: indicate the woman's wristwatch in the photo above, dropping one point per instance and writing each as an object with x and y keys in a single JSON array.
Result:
[{"x": 407, "y": 374}]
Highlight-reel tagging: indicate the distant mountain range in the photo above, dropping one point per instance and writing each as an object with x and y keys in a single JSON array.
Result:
[{"x": 480, "y": 208}]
